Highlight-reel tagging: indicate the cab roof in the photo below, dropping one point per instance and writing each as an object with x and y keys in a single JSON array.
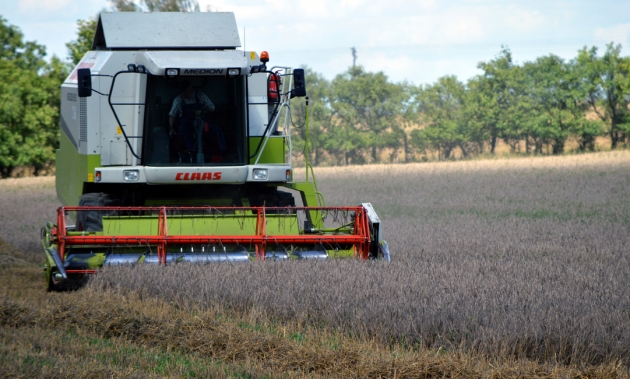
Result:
[{"x": 166, "y": 30}]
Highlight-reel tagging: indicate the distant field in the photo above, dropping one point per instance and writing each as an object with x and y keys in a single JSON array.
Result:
[
  {"x": 27, "y": 204},
  {"x": 500, "y": 268}
]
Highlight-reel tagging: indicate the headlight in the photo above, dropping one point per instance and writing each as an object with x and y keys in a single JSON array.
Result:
[
  {"x": 131, "y": 175},
  {"x": 233, "y": 72},
  {"x": 172, "y": 72},
  {"x": 260, "y": 174}
]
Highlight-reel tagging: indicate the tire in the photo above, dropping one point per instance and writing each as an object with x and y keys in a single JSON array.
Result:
[
  {"x": 272, "y": 198},
  {"x": 92, "y": 220},
  {"x": 280, "y": 199},
  {"x": 284, "y": 199}
]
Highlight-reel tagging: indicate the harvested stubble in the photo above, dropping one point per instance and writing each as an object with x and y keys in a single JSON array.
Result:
[{"x": 224, "y": 345}]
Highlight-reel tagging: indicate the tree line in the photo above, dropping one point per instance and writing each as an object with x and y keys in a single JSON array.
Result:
[
  {"x": 359, "y": 117},
  {"x": 29, "y": 102},
  {"x": 537, "y": 107}
]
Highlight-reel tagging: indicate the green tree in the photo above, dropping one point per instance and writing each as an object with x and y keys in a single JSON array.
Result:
[
  {"x": 85, "y": 34},
  {"x": 443, "y": 112},
  {"x": 24, "y": 54},
  {"x": 371, "y": 105},
  {"x": 346, "y": 143},
  {"x": 124, "y": 6},
  {"x": 171, "y": 5},
  {"x": 320, "y": 116},
  {"x": 29, "y": 102},
  {"x": 499, "y": 95},
  {"x": 155, "y": 5},
  {"x": 409, "y": 118},
  {"x": 557, "y": 95},
  {"x": 478, "y": 116},
  {"x": 549, "y": 89},
  {"x": 606, "y": 80}
]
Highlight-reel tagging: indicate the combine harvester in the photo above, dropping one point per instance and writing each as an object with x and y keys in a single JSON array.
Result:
[{"x": 176, "y": 147}]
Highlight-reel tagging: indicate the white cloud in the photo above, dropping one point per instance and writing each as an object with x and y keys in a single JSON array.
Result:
[
  {"x": 57, "y": 10},
  {"x": 314, "y": 9},
  {"x": 617, "y": 34},
  {"x": 397, "y": 36},
  {"x": 397, "y": 68},
  {"x": 522, "y": 19},
  {"x": 420, "y": 40},
  {"x": 54, "y": 44},
  {"x": 42, "y": 5}
]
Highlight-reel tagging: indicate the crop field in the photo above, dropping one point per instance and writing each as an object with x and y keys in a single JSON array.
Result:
[{"x": 504, "y": 268}]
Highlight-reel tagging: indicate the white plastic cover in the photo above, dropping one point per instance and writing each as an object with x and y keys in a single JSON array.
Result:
[{"x": 163, "y": 30}]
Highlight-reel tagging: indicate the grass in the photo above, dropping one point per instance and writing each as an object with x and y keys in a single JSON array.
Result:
[
  {"x": 35, "y": 351},
  {"x": 102, "y": 334},
  {"x": 501, "y": 268}
]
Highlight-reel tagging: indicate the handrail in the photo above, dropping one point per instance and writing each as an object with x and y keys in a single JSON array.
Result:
[
  {"x": 284, "y": 103},
  {"x": 111, "y": 106}
]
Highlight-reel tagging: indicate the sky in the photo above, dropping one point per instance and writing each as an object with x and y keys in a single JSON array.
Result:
[{"x": 416, "y": 41}]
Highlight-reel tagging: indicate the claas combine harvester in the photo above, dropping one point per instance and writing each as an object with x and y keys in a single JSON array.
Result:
[{"x": 176, "y": 147}]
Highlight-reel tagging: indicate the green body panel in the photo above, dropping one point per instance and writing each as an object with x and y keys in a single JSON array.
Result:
[
  {"x": 73, "y": 170},
  {"x": 50, "y": 265},
  {"x": 200, "y": 225},
  {"x": 309, "y": 196},
  {"x": 46, "y": 243},
  {"x": 190, "y": 202},
  {"x": 273, "y": 152},
  {"x": 309, "y": 199},
  {"x": 92, "y": 261}
]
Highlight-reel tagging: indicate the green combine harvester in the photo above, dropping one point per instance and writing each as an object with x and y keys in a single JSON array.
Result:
[{"x": 176, "y": 147}]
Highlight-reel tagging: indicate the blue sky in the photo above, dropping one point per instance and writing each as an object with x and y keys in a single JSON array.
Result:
[{"x": 417, "y": 41}]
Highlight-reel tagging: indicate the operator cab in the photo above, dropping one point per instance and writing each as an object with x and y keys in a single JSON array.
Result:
[{"x": 216, "y": 137}]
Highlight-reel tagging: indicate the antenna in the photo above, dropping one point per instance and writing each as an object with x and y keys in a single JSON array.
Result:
[{"x": 244, "y": 49}]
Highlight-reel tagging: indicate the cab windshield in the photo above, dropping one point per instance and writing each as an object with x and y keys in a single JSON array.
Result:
[{"x": 194, "y": 121}]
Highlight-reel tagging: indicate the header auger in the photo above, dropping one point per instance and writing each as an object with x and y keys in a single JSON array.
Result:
[{"x": 178, "y": 149}]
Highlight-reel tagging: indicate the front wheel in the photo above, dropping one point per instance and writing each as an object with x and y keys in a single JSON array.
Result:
[{"x": 92, "y": 220}]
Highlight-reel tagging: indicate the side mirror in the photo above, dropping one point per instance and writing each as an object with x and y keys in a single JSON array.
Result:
[
  {"x": 84, "y": 76},
  {"x": 299, "y": 84}
]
